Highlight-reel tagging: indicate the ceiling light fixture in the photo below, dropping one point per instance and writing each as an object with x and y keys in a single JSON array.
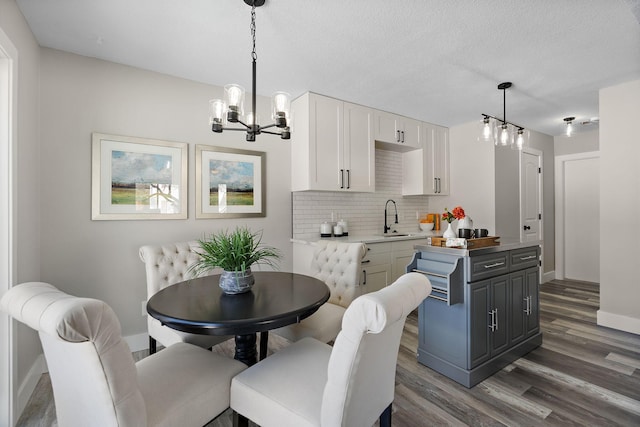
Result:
[
  {"x": 500, "y": 131},
  {"x": 569, "y": 131},
  {"x": 232, "y": 108}
]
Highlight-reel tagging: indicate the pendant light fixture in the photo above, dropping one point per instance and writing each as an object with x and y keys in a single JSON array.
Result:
[
  {"x": 569, "y": 130},
  {"x": 500, "y": 131},
  {"x": 231, "y": 109}
]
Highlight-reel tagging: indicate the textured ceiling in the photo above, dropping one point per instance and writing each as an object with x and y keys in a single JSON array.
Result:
[{"x": 434, "y": 60}]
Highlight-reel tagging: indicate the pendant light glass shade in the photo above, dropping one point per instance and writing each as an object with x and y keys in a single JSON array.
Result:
[
  {"x": 569, "y": 130},
  {"x": 280, "y": 108},
  {"x": 504, "y": 135},
  {"x": 217, "y": 114},
  {"x": 487, "y": 129},
  {"x": 234, "y": 98}
]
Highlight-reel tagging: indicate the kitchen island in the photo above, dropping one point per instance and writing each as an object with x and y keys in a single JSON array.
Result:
[{"x": 483, "y": 312}]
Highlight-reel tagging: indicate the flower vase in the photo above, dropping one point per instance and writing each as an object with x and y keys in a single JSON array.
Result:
[{"x": 450, "y": 233}]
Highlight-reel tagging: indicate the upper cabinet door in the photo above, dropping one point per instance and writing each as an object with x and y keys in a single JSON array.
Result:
[
  {"x": 316, "y": 143},
  {"x": 411, "y": 132},
  {"x": 395, "y": 129},
  {"x": 385, "y": 127},
  {"x": 359, "y": 149},
  {"x": 332, "y": 147}
]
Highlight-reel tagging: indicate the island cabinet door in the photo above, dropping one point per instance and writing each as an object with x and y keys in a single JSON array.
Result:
[
  {"x": 479, "y": 323},
  {"x": 532, "y": 314},
  {"x": 517, "y": 307},
  {"x": 499, "y": 304}
]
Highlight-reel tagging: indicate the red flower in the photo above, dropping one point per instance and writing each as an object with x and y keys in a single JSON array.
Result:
[{"x": 457, "y": 213}]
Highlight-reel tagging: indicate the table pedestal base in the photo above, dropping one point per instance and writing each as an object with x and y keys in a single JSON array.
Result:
[{"x": 246, "y": 349}]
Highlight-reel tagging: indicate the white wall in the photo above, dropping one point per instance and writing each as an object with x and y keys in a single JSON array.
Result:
[
  {"x": 582, "y": 142},
  {"x": 485, "y": 182},
  {"x": 472, "y": 177},
  {"x": 99, "y": 259},
  {"x": 26, "y": 172},
  {"x": 619, "y": 204}
]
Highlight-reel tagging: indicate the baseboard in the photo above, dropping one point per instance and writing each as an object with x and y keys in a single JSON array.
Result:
[
  {"x": 618, "y": 321},
  {"x": 137, "y": 342},
  {"x": 29, "y": 384},
  {"x": 548, "y": 276}
]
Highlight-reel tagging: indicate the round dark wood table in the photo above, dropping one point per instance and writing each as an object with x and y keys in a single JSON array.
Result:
[{"x": 277, "y": 299}]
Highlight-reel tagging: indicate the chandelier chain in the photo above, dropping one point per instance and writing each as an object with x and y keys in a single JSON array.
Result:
[{"x": 253, "y": 31}]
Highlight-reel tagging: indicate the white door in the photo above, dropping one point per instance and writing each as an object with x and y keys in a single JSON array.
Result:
[
  {"x": 581, "y": 219},
  {"x": 530, "y": 195}
]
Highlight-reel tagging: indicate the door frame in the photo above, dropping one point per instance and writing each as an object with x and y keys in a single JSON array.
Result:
[
  {"x": 8, "y": 115},
  {"x": 539, "y": 154},
  {"x": 560, "y": 163}
]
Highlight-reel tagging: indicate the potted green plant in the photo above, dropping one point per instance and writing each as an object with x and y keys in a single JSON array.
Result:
[{"x": 235, "y": 252}]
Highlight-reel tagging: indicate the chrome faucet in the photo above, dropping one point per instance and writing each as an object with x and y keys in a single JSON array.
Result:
[{"x": 387, "y": 228}]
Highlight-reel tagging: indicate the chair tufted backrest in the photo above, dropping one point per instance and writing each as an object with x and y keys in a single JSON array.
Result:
[
  {"x": 168, "y": 264},
  {"x": 362, "y": 366},
  {"x": 92, "y": 370},
  {"x": 338, "y": 264}
]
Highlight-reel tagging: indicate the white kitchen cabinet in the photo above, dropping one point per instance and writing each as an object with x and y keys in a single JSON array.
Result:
[
  {"x": 332, "y": 146},
  {"x": 385, "y": 262},
  {"x": 376, "y": 267},
  {"x": 395, "y": 129},
  {"x": 427, "y": 173}
]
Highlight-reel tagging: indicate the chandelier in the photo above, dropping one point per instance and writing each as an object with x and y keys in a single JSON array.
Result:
[
  {"x": 231, "y": 109},
  {"x": 500, "y": 131}
]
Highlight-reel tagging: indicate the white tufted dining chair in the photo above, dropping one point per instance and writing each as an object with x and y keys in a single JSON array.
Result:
[
  {"x": 338, "y": 264},
  {"x": 311, "y": 384},
  {"x": 165, "y": 265},
  {"x": 94, "y": 377}
]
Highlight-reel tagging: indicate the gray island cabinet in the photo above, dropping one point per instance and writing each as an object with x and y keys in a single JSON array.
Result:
[{"x": 483, "y": 312}]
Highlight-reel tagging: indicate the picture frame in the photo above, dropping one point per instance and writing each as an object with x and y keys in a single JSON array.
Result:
[
  {"x": 230, "y": 183},
  {"x": 138, "y": 178}
]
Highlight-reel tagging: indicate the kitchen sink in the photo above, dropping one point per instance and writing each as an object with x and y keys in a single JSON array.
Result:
[{"x": 395, "y": 235}]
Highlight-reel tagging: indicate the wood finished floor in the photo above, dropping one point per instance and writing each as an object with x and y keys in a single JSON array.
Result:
[{"x": 582, "y": 375}]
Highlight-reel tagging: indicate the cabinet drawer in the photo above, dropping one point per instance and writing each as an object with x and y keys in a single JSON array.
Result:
[
  {"x": 486, "y": 266},
  {"x": 376, "y": 258},
  {"x": 376, "y": 248},
  {"x": 407, "y": 245},
  {"x": 524, "y": 258}
]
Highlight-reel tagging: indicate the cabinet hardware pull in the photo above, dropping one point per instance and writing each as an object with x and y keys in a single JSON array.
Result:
[
  {"x": 495, "y": 264},
  {"x": 366, "y": 261},
  {"x": 428, "y": 273},
  {"x": 348, "y": 178},
  {"x": 526, "y": 305},
  {"x": 403, "y": 137},
  {"x": 439, "y": 186},
  {"x": 527, "y": 257},
  {"x": 496, "y": 320},
  {"x": 364, "y": 272},
  {"x": 435, "y": 185},
  {"x": 397, "y": 136},
  {"x": 341, "y": 178},
  {"x": 492, "y": 324}
]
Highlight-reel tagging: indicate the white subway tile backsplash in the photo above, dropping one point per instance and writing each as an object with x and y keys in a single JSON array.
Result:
[{"x": 364, "y": 212}]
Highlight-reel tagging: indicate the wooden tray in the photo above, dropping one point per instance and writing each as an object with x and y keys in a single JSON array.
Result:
[{"x": 480, "y": 242}]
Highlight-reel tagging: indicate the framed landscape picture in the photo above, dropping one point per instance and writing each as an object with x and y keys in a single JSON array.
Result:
[
  {"x": 230, "y": 183},
  {"x": 137, "y": 178}
]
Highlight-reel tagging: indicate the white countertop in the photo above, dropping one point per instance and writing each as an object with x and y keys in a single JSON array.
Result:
[{"x": 373, "y": 238}]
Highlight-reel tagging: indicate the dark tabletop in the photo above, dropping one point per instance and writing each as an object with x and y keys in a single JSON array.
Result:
[{"x": 199, "y": 306}]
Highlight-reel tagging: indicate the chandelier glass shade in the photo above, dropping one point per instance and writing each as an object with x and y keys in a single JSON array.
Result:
[
  {"x": 501, "y": 132},
  {"x": 232, "y": 109}
]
